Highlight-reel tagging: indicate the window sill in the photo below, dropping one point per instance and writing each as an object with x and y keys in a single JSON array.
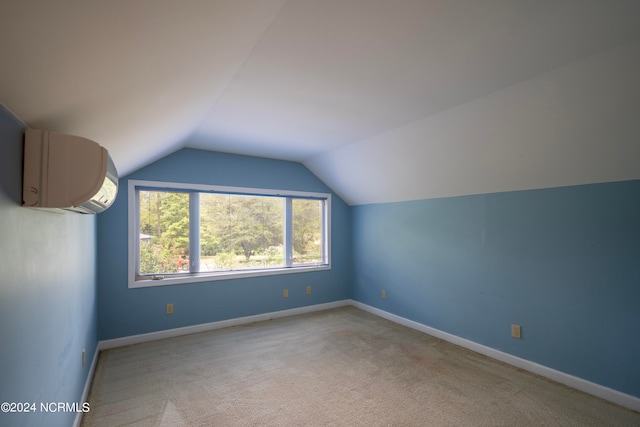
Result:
[{"x": 226, "y": 275}]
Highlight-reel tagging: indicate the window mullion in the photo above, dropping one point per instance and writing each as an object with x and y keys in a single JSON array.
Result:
[
  {"x": 288, "y": 232},
  {"x": 194, "y": 232},
  {"x": 324, "y": 232},
  {"x": 136, "y": 240}
]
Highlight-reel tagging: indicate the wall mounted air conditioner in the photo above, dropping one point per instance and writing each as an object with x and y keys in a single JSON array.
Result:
[{"x": 67, "y": 172}]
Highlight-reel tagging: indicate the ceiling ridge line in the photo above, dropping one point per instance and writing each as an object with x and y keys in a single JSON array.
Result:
[{"x": 222, "y": 91}]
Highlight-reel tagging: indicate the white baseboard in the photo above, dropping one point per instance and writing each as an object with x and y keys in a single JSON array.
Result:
[
  {"x": 169, "y": 333},
  {"x": 589, "y": 387},
  {"x": 87, "y": 385}
]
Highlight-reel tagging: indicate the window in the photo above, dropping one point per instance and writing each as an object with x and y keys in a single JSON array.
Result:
[{"x": 180, "y": 233}]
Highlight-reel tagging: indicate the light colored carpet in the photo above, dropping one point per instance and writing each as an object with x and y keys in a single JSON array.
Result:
[{"x": 341, "y": 367}]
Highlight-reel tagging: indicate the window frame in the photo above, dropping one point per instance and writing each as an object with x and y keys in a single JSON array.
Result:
[{"x": 136, "y": 281}]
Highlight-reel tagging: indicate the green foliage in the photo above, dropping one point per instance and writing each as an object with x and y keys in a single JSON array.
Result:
[
  {"x": 164, "y": 216},
  {"x": 175, "y": 222},
  {"x": 274, "y": 255},
  {"x": 154, "y": 259},
  {"x": 225, "y": 261},
  {"x": 307, "y": 227},
  {"x": 243, "y": 224}
]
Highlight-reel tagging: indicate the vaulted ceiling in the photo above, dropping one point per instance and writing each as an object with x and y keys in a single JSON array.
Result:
[{"x": 383, "y": 100}]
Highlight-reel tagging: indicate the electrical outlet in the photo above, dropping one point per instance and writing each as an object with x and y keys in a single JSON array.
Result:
[
  {"x": 308, "y": 290},
  {"x": 285, "y": 293},
  {"x": 516, "y": 331},
  {"x": 169, "y": 308},
  {"x": 384, "y": 294},
  {"x": 84, "y": 357}
]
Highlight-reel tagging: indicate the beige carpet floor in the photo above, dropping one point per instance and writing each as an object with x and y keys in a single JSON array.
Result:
[{"x": 341, "y": 367}]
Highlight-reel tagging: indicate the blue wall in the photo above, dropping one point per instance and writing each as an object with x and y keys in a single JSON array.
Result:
[
  {"x": 564, "y": 263},
  {"x": 124, "y": 312},
  {"x": 48, "y": 308}
]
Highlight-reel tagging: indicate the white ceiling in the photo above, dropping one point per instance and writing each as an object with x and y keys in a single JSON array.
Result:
[{"x": 384, "y": 100}]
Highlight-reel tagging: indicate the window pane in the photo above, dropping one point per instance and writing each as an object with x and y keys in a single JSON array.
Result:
[
  {"x": 164, "y": 232},
  {"x": 307, "y": 231},
  {"x": 240, "y": 232}
]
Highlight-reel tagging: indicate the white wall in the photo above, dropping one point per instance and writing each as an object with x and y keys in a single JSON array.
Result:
[{"x": 578, "y": 124}]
